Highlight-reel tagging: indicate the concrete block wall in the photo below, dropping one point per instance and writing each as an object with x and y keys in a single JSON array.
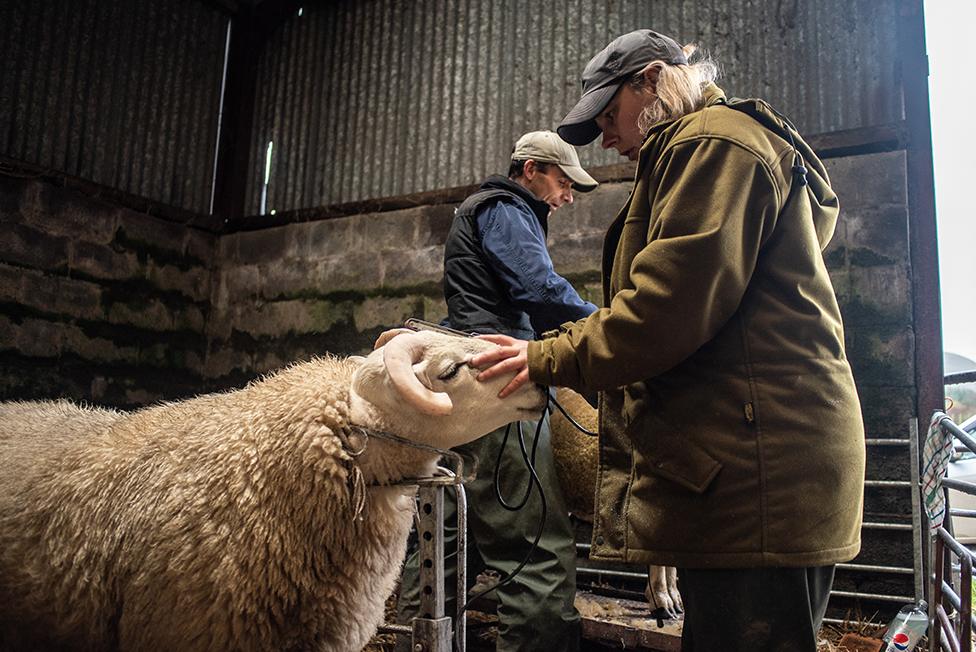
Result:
[
  {"x": 85, "y": 284},
  {"x": 294, "y": 291},
  {"x": 98, "y": 302},
  {"x": 870, "y": 267},
  {"x": 291, "y": 292}
]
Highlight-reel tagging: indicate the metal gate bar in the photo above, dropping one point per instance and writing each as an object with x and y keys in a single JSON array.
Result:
[
  {"x": 433, "y": 631},
  {"x": 943, "y": 549}
]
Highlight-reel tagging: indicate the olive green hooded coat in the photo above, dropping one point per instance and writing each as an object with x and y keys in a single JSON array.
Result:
[{"x": 731, "y": 432}]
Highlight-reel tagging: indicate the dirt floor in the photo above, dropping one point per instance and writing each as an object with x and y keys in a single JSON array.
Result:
[
  {"x": 482, "y": 632},
  {"x": 481, "y": 637}
]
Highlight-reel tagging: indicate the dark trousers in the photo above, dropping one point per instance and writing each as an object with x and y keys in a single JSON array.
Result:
[
  {"x": 753, "y": 609},
  {"x": 536, "y": 610}
]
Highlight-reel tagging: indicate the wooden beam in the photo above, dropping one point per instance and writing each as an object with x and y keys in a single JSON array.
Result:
[
  {"x": 429, "y": 198},
  {"x": 881, "y": 138},
  {"x": 10, "y": 167},
  {"x": 923, "y": 239},
  {"x": 864, "y": 140}
]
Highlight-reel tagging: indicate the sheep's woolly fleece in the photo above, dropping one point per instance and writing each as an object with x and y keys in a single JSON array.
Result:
[
  {"x": 575, "y": 454},
  {"x": 221, "y": 522}
]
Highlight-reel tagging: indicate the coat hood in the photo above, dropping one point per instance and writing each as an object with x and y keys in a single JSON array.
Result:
[{"x": 814, "y": 181}]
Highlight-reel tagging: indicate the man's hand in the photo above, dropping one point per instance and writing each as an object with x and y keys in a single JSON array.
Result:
[{"x": 510, "y": 356}]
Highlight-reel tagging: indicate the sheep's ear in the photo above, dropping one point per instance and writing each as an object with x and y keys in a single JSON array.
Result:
[
  {"x": 358, "y": 359},
  {"x": 386, "y": 336},
  {"x": 400, "y": 356}
]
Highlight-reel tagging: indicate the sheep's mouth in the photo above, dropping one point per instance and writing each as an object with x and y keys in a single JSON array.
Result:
[
  {"x": 535, "y": 411},
  {"x": 537, "y": 407}
]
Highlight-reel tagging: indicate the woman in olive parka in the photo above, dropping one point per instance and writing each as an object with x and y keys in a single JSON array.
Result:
[{"x": 731, "y": 439}]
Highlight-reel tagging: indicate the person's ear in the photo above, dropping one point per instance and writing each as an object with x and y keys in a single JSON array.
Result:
[
  {"x": 651, "y": 73},
  {"x": 529, "y": 169}
]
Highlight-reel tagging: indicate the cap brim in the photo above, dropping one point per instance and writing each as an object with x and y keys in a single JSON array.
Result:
[
  {"x": 579, "y": 126},
  {"x": 582, "y": 181}
]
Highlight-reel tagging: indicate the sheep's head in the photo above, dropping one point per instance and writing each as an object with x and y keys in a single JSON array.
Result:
[{"x": 422, "y": 385}]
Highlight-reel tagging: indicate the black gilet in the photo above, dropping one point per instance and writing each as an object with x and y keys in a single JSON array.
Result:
[{"x": 477, "y": 299}]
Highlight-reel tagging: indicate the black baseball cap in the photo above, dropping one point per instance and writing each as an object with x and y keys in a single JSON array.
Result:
[{"x": 605, "y": 73}]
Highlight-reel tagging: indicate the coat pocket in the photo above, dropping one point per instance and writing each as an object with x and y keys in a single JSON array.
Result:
[{"x": 667, "y": 452}]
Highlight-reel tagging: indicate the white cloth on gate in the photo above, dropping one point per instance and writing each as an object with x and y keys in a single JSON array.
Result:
[{"x": 935, "y": 461}]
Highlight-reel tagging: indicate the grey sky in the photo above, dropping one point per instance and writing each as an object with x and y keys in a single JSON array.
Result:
[{"x": 953, "y": 96}]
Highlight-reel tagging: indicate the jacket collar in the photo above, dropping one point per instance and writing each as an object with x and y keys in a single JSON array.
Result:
[
  {"x": 539, "y": 207},
  {"x": 713, "y": 95}
]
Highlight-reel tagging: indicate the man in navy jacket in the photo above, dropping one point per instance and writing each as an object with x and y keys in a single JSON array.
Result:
[{"x": 499, "y": 278}]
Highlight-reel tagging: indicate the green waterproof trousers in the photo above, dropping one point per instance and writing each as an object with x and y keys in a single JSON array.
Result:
[{"x": 535, "y": 610}]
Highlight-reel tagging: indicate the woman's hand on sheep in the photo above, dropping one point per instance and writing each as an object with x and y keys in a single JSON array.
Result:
[{"x": 510, "y": 356}]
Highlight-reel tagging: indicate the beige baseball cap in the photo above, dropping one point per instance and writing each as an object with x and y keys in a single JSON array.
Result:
[{"x": 547, "y": 147}]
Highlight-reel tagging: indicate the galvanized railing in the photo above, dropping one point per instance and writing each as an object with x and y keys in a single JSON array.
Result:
[
  {"x": 951, "y": 605},
  {"x": 433, "y": 630}
]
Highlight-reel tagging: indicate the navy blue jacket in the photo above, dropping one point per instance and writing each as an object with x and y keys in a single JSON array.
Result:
[{"x": 498, "y": 276}]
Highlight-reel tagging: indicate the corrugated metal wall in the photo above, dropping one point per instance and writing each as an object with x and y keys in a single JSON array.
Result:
[
  {"x": 364, "y": 99},
  {"x": 121, "y": 92}
]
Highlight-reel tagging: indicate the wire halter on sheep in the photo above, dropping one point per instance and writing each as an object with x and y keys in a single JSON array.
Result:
[{"x": 357, "y": 484}]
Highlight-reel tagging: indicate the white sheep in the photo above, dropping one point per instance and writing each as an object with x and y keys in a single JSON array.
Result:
[
  {"x": 230, "y": 521},
  {"x": 576, "y": 457}
]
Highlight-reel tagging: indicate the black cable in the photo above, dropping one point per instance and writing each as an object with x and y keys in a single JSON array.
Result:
[
  {"x": 533, "y": 479},
  {"x": 529, "y": 460},
  {"x": 572, "y": 420}
]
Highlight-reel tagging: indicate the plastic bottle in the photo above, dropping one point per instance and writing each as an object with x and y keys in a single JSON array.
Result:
[{"x": 907, "y": 628}]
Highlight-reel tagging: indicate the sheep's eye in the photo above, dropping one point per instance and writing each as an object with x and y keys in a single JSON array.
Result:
[{"x": 451, "y": 372}]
